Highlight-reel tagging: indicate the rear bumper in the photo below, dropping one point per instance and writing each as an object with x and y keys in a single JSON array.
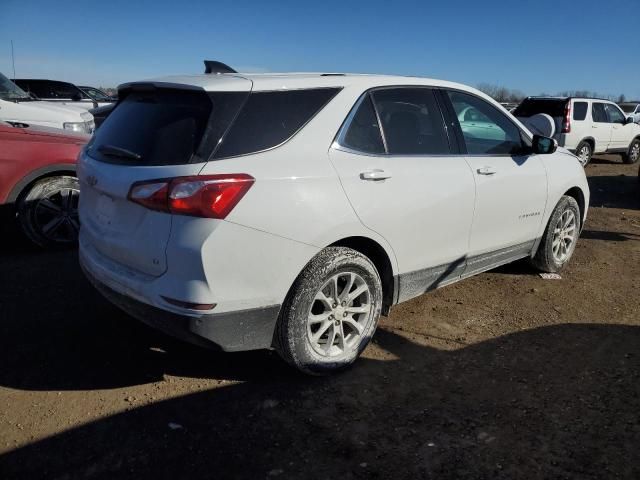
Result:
[{"x": 230, "y": 331}]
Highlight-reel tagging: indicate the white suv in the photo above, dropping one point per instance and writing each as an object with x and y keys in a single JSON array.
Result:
[
  {"x": 290, "y": 211},
  {"x": 587, "y": 125},
  {"x": 17, "y": 106}
]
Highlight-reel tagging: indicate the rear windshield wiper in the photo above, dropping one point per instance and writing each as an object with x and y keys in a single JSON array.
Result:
[{"x": 113, "y": 151}]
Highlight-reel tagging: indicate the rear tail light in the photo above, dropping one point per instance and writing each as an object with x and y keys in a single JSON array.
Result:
[
  {"x": 210, "y": 196},
  {"x": 566, "y": 123}
]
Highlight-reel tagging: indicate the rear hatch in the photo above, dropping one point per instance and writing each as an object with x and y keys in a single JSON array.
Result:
[{"x": 157, "y": 131}]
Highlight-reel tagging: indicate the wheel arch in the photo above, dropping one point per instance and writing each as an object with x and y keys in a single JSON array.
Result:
[
  {"x": 382, "y": 261},
  {"x": 31, "y": 178},
  {"x": 591, "y": 141},
  {"x": 578, "y": 195}
]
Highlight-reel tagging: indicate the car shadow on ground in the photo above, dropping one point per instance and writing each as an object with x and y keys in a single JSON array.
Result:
[{"x": 549, "y": 402}]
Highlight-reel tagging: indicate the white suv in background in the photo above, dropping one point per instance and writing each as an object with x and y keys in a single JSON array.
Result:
[
  {"x": 586, "y": 126},
  {"x": 17, "y": 106},
  {"x": 290, "y": 211}
]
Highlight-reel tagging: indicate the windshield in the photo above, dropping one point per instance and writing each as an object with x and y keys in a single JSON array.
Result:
[
  {"x": 97, "y": 94},
  {"x": 10, "y": 91}
]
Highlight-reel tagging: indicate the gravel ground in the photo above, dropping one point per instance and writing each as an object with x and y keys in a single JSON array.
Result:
[{"x": 504, "y": 375}]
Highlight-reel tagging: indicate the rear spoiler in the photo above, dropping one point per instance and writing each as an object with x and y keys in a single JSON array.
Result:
[{"x": 213, "y": 66}]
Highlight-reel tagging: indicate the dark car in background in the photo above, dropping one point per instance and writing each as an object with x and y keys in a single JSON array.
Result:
[
  {"x": 38, "y": 181},
  {"x": 57, "y": 91}
]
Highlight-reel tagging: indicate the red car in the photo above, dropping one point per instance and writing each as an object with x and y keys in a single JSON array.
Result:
[{"x": 37, "y": 176}]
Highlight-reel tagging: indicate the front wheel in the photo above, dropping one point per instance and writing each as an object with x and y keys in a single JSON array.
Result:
[
  {"x": 560, "y": 237},
  {"x": 48, "y": 211},
  {"x": 331, "y": 312},
  {"x": 633, "y": 155}
]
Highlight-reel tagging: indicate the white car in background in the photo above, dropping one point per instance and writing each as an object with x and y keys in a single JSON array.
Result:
[
  {"x": 586, "y": 126},
  {"x": 290, "y": 211},
  {"x": 17, "y": 106},
  {"x": 631, "y": 109}
]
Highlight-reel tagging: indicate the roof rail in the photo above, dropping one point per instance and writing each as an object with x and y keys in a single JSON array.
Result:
[{"x": 213, "y": 66}]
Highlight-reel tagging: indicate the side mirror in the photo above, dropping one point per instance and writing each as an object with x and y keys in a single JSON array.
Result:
[
  {"x": 543, "y": 145},
  {"x": 629, "y": 120}
]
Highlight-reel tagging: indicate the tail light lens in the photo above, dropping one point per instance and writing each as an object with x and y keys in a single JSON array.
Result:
[
  {"x": 210, "y": 196},
  {"x": 566, "y": 123}
]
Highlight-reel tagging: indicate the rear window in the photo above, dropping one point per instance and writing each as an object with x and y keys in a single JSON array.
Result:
[
  {"x": 268, "y": 119},
  {"x": 533, "y": 106},
  {"x": 165, "y": 127},
  {"x": 580, "y": 110}
]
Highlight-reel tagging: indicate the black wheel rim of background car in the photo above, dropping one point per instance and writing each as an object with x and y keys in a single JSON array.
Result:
[{"x": 56, "y": 216}]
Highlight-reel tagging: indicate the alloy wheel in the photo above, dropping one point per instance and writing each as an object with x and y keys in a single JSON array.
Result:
[
  {"x": 564, "y": 236},
  {"x": 339, "y": 314},
  {"x": 584, "y": 154},
  {"x": 634, "y": 154},
  {"x": 56, "y": 216}
]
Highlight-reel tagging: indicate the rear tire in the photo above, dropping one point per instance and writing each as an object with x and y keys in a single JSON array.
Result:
[
  {"x": 331, "y": 312},
  {"x": 584, "y": 152},
  {"x": 48, "y": 212},
  {"x": 633, "y": 155},
  {"x": 560, "y": 237}
]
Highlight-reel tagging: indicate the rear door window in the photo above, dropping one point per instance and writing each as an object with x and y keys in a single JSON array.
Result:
[
  {"x": 165, "y": 127},
  {"x": 598, "y": 113},
  {"x": 412, "y": 122},
  {"x": 580, "y": 110},
  {"x": 268, "y": 119}
]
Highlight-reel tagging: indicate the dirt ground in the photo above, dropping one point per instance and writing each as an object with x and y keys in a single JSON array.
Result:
[{"x": 504, "y": 375}]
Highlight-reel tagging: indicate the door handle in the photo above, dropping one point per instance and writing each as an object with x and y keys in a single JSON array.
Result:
[
  {"x": 594, "y": 126},
  {"x": 375, "y": 175},
  {"x": 486, "y": 171}
]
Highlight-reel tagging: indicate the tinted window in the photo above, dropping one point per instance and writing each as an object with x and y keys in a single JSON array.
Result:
[
  {"x": 491, "y": 132},
  {"x": 411, "y": 121},
  {"x": 39, "y": 89},
  {"x": 615, "y": 115},
  {"x": 580, "y": 110},
  {"x": 162, "y": 127},
  {"x": 270, "y": 118},
  {"x": 363, "y": 133},
  {"x": 532, "y": 106},
  {"x": 598, "y": 113}
]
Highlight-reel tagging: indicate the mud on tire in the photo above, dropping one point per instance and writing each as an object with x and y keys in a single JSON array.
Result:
[
  {"x": 545, "y": 259},
  {"x": 314, "y": 296}
]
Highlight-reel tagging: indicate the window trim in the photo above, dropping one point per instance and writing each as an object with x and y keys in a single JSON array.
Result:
[
  {"x": 524, "y": 136},
  {"x": 336, "y": 89},
  {"x": 342, "y": 131}
]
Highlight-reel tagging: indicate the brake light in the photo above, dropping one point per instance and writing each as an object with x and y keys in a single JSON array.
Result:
[
  {"x": 566, "y": 123},
  {"x": 209, "y": 196}
]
